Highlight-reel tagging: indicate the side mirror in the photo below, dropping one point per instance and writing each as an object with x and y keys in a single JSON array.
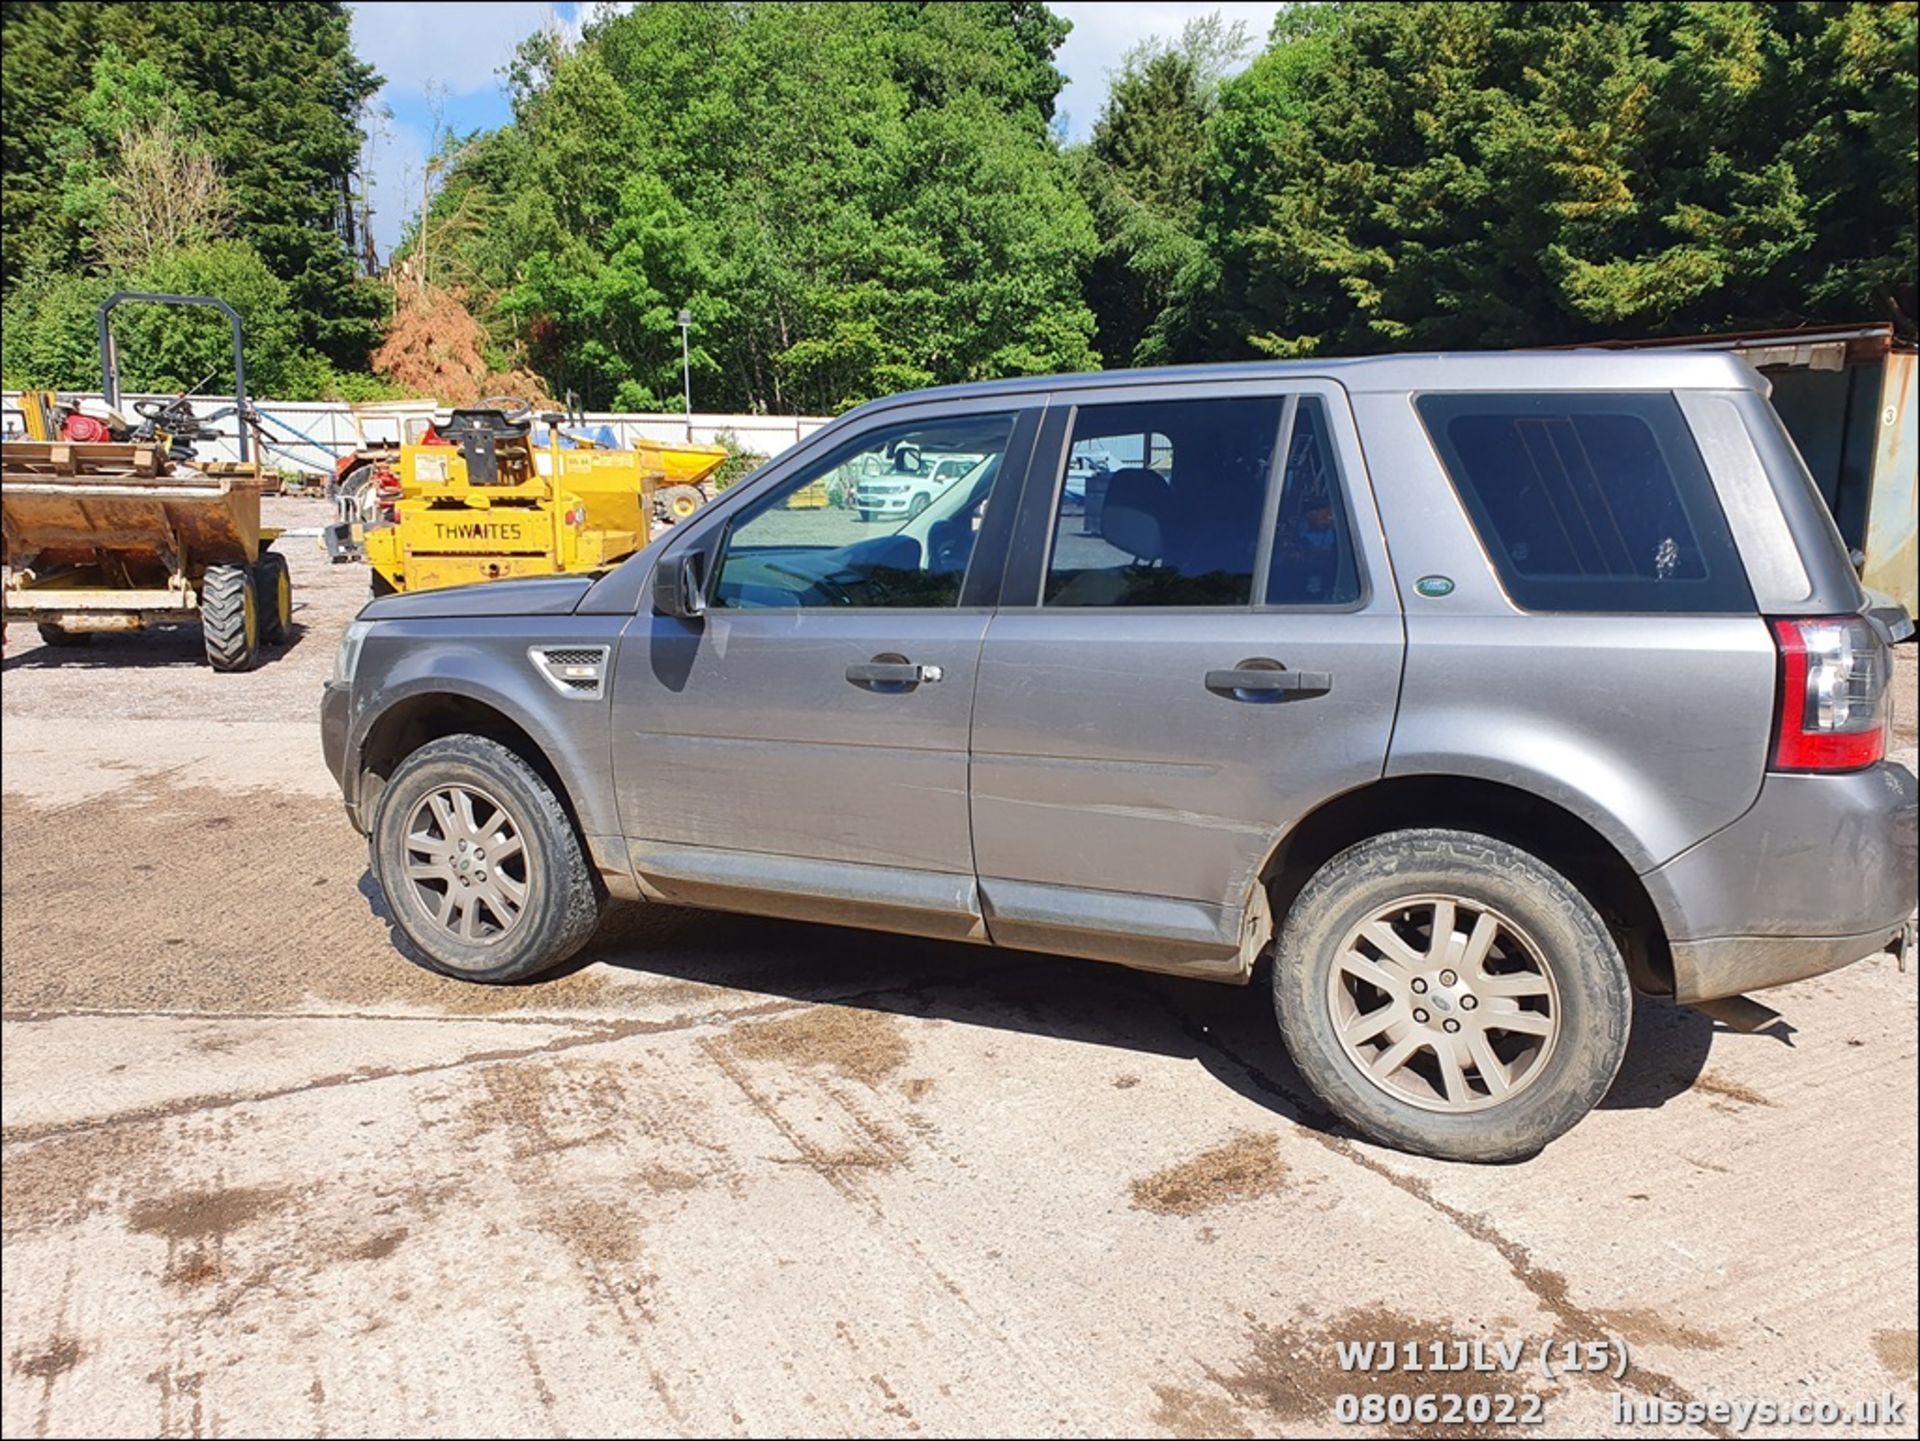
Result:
[{"x": 680, "y": 585}]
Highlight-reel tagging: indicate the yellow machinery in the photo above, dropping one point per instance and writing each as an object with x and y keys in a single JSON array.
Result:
[
  {"x": 40, "y": 409},
  {"x": 480, "y": 499}
]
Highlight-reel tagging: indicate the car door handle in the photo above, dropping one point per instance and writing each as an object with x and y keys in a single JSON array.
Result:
[
  {"x": 893, "y": 672},
  {"x": 1264, "y": 682}
]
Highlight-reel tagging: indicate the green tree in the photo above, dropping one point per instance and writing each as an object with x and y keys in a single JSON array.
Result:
[
  {"x": 1494, "y": 174},
  {"x": 140, "y": 179},
  {"x": 1143, "y": 174},
  {"x": 50, "y": 338},
  {"x": 275, "y": 92},
  {"x": 849, "y": 198}
]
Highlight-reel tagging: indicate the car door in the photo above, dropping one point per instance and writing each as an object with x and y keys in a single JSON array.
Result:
[
  {"x": 801, "y": 748},
  {"x": 1174, "y": 680}
]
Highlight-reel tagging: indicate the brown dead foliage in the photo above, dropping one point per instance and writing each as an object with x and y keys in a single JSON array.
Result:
[{"x": 434, "y": 347}]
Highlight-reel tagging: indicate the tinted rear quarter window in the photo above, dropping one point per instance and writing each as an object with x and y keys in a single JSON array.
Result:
[{"x": 1590, "y": 502}]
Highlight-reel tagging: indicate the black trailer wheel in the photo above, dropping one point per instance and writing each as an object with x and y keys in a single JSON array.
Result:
[
  {"x": 680, "y": 501},
  {"x": 230, "y": 616},
  {"x": 273, "y": 591}
]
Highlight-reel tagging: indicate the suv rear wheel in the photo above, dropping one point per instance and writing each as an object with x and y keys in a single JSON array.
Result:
[
  {"x": 480, "y": 863},
  {"x": 1451, "y": 995}
]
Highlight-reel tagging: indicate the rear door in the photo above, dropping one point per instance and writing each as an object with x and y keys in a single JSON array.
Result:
[
  {"x": 1175, "y": 679},
  {"x": 807, "y": 737}
]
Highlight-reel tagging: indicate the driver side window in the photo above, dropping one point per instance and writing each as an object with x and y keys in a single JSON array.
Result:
[{"x": 889, "y": 519}]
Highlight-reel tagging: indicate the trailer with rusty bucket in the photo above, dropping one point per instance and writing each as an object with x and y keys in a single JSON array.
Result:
[
  {"x": 107, "y": 526},
  {"x": 108, "y": 537}
]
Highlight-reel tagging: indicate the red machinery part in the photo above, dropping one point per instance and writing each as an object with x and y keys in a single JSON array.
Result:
[{"x": 85, "y": 429}]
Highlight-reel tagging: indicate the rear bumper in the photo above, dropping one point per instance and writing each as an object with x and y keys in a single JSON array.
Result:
[
  {"x": 1733, "y": 965},
  {"x": 1817, "y": 875}
]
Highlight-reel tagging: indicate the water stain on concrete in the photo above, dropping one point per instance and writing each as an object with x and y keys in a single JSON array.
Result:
[{"x": 1244, "y": 1168}]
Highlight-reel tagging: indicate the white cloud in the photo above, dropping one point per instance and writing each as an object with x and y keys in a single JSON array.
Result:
[
  {"x": 427, "y": 52},
  {"x": 455, "y": 46},
  {"x": 1103, "y": 33}
]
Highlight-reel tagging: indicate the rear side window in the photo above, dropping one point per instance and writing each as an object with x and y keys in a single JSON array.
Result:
[
  {"x": 1162, "y": 503},
  {"x": 1313, "y": 558},
  {"x": 1590, "y": 502}
]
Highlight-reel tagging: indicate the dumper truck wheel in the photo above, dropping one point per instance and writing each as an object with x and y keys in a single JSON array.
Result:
[
  {"x": 681, "y": 501},
  {"x": 1449, "y": 994},
  {"x": 273, "y": 590},
  {"x": 60, "y": 635},
  {"x": 230, "y": 617},
  {"x": 380, "y": 586},
  {"x": 481, "y": 866}
]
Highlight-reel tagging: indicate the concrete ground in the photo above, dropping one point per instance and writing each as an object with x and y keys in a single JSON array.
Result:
[{"x": 737, "y": 1176}]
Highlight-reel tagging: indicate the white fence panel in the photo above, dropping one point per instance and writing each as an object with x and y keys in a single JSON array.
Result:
[{"x": 308, "y": 435}]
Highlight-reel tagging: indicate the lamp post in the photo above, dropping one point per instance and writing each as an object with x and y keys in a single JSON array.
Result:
[{"x": 686, "y": 371}]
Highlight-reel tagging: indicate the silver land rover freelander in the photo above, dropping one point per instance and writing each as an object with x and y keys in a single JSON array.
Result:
[{"x": 1469, "y": 693}]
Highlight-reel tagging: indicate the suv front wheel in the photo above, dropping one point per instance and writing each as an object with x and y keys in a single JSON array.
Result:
[
  {"x": 480, "y": 863},
  {"x": 1451, "y": 995}
]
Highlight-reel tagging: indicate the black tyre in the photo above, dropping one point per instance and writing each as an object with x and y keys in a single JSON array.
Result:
[
  {"x": 1451, "y": 995},
  {"x": 273, "y": 593},
  {"x": 865, "y": 514},
  {"x": 380, "y": 586},
  {"x": 480, "y": 863},
  {"x": 230, "y": 617},
  {"x": 680, "y": 501},
  {"x": 917, "y": 507},
  {"x": 61, "y": 636}
]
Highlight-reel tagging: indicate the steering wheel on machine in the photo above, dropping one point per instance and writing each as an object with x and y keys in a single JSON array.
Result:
[
  {"x": 513, "y": 408},
  {"x": 175, "y": 410}
]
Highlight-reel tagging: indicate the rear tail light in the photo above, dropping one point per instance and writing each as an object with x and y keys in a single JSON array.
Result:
[{"x": 1833, "y": 695}]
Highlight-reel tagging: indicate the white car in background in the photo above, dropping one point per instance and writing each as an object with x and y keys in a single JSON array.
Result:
[{"x": 905, "y": 492}]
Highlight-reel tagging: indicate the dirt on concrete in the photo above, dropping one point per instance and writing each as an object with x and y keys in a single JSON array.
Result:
[
  {"x": 860, "y": 1045},
  {"x": 1240, "y": 1170},
  {"x": 733, "y": 1176}
]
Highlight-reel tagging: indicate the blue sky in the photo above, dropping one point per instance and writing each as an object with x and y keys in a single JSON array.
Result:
[{"x": 448, "y": 55}]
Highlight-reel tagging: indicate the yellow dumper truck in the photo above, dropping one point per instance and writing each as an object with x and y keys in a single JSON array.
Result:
[{"x": 479, "y": 498}]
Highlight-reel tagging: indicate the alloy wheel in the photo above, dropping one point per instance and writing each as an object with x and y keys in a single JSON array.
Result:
[
  {"x": 1444, "y": 1003},
  {"x": 466, "y": 862}
]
